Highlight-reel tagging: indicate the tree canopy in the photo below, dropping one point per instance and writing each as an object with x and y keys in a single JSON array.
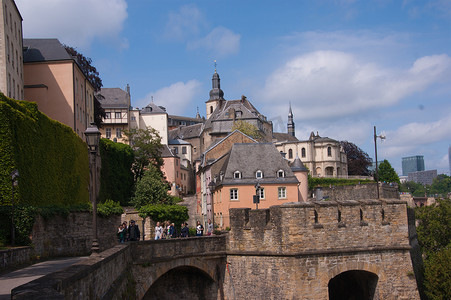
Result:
[
  {"x": 146, "y": 144},
  {"x": 248, "y": 129},
  {"x": 387, "y": 173},
  {"x": 358, "y": 160}
]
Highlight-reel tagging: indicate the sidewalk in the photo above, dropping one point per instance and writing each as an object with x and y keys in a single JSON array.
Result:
[{"x": 11, "y": 280}]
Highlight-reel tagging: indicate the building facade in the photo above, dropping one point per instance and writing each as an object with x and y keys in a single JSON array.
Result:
[
  {"x": 423, "y": 177},
  {"x": 323, "y": 156},
  {"x": 11, "y": 57},
  {"x": 412, "y": 164},
  {"x": 54, "y": 80}
]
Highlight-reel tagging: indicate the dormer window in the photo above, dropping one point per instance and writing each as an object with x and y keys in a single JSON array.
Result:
[
  {"x": 280, "y": 174},
  {"x": 238, "y": 114},
  {"x": 237, "y": 175},
  {"x": 259, "y": 174}
]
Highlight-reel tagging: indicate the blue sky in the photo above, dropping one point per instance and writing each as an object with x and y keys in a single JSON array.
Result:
[{"x": 344, "y": 65}]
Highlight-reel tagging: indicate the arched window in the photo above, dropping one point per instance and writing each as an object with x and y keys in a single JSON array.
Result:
[
  {"x": 329, "y": 151},
  {"x": 290, "y": 153},
  {"x": 259, "y": 174},
  {"x": 303, "y": 152},
  {"x": 237, "y": 175}
]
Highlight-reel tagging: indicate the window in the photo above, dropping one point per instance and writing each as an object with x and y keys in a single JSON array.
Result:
[
  {"x": 133, "y": 118},
  {"x": 117, "y": 115},
  {"x": 329, "y": 151},
  {"x": 195, "y": 149},
  {"x": 237, "y": 175},
  {"x": 290, "y": 153},
  {"x": 184, "y": 150},
  {"x": 211, "y": 109},
  {"x": 176, "y": 162},
  {"x": 303, "y": 152},
  {"x": 282, "y": 192},
  {"x": 234, "y": 194},
  {"x": 238, "y": 114},
  {"x": 261, "y": 193},
  {"x": 259, "y": 174},
  {"x": 107, "y": 115},
  {"x": 176, "y": 150},
  {"x": 280, "y": 174},
  {"x": 108, "y": 133},
  {"x": 118, "y": 132}
]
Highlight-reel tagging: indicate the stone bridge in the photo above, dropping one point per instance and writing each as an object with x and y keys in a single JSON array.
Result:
[{"x": 315, "y": 250}]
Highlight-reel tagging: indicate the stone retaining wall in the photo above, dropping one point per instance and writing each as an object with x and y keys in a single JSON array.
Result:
[
  {"x": 360, "y": 192},
  {"x": 15, "y": 257}
]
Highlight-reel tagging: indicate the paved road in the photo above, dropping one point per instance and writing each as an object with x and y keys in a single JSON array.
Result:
[{"x": 22, "y": 276}]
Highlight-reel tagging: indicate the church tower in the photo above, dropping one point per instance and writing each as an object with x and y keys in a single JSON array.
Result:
[
  {"x": 290, "y": 125},
  {"x": 216, "y": 95}
]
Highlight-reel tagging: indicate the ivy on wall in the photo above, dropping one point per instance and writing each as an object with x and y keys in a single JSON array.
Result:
[
  {"x": 52, "y": 160},
  {"x": 116, "y": 177}
]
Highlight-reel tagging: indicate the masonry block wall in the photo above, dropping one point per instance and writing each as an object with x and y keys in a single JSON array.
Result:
[
  {"x": 72, "y": 235},
  {"x": 360, "y": 191},
  {"x": 296, "y": 249}
]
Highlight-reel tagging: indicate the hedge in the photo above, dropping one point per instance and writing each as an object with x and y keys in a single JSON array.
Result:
[
  {"x": 116, "y": 177},
  {"x": 313, "y": 182},
  {"x": 52, "y": 160}
]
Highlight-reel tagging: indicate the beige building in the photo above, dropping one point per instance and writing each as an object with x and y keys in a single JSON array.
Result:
[
  {"x": 323, "y": 156},
  {"x": 152, "y": 116},
  {"x": 11, "y": 61},
  {"x": 116, "y": 103},
  {"x": 54, "y": 80}
]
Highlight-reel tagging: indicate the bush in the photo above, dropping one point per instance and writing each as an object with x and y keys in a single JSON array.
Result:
[
  {"x": 192, "y": 231},
  {"x": 109, "y": 207},
  {"x": 313, "y": 182},
  {"x": 162, "y": 212}
]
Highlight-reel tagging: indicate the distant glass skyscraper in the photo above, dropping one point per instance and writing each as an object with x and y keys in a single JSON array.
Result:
[{"x": 412, "y": 164}]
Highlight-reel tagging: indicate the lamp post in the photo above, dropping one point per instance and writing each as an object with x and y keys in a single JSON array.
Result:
[
  {"x": 92, "y": 135},
  {"x": 382, "y": 137},
  {"x": 14, "y": 183},
  {"x": 257, "y": 196}
]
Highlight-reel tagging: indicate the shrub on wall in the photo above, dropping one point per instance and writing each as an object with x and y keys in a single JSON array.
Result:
[
  {"x": 313, "y": 182},
  {"x": 52, "y": 160},
  {"x": 116, "y": 177}
]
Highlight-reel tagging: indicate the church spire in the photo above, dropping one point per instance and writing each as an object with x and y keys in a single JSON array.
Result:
[
  {"x": 216, "y": 92},
  {"x": 290, "y": 125}
]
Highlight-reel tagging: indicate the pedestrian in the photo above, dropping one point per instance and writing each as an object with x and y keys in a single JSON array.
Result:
[
  {"x": 158, "y": 231},
  {"x": 170, "y": 231},
  {"x": 174, "y": 231},
  {"x": 121, "y": 232},
  {"x": 199, "y": 229},
  {"x": 133, "y": 231},
  {"x": 124, "y": 224},
  {"x": 210, "y": 227},
  {"x": 184, "y": 232}
]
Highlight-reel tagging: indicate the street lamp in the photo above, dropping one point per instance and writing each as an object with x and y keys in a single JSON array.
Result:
[
  {"x": 382, "y": 137},
  {"x": 14, "y": 183},
  {"x": 92, "y": 134},
  {"x": 257, "y": 196}
]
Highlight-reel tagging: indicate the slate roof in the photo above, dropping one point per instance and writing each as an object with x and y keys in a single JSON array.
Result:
[
  {"x": 178, "y": 142},
  {"x": 283, "y": 137},
  {"x": 152, "y": 108},
  {"x": 186, "y": 132},
  {"x": 298, "y": 166},
  {"x": 249, "y": 158},
  {"x": 113, "y": 98},
  {"x": 166, "y": 152},
  {"x": 39, "y": 50}
]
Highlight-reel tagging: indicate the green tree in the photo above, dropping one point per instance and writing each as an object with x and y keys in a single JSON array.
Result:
[
  {"x": 437, "y": 275},
  {"x": 416, "y": 189},
  {"x": 387, "y": 173},
  {"x": 152, "y": 189},
  {"x": 91, "y": 73},
  {"x": 441, "y": 185},
  {"x": 146, "y": 144},
  {"x": 358, "y": 160},
  {"x": 160, "y": 213},
  {"x": 248, "y": 129}
]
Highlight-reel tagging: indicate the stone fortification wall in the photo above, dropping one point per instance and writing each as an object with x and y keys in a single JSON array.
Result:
[
  {"x": 105, "y": 276},
  {"x": 72, "y": 235},
  {"x": 15, "y": 257},
  {"x": 360, "y": 191},
  {"x": 295, "y": 250}
]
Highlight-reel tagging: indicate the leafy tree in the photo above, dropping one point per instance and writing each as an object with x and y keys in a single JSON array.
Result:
[
  {"x": 91, "y": 73},
  {"x": 152, "y": 189},
  {"x": 248, "y": 129},
  {"x": 434, "y": 236},
  {"x": 416, "y": 189},
  {"x": 386, "y": 172},
  {"x": 441, "y": 185},
  {"x": 161, "y": 212},
  {"x": 146, "y": 144},
  {"x": 358, "y": 160}
]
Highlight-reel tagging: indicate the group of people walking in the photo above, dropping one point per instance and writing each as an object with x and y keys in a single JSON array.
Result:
[
  {"x": 128, "y": 233},
  {"x": 164, "y": 230}
]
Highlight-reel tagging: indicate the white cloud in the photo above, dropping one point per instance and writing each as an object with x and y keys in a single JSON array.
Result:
[
  {"x": 220, "y": 41},
  {"x": 333, "y": 84},
  {"x": 416, "y": 134},
  {"x": 74, "y": 22},
  {"x": 185, "y": 23},
  {"x": 176, "y": 98}
]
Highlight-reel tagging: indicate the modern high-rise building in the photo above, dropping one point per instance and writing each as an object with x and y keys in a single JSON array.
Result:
[
  {"x": 412, "y": 164},
  {"x": 11, "y": 66}
]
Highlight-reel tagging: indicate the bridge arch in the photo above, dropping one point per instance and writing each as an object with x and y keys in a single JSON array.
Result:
[{"x": 354, "y": 284}]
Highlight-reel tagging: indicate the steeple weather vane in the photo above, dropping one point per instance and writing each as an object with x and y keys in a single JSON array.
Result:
[{"x": 215, "y": 65}]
